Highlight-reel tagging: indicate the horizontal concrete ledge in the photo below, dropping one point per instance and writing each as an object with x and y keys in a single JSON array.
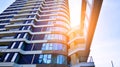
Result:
[
  {"x": 27, "y": 31},
  {"x": 35, "y": 51},
  {"x": 16, "y": 25},
  {"x": 12, "y": 64},
  {"x": 32, "y": 33},
  {"x": 22, "y": 39},
  {"x": 34, "y": 41}
]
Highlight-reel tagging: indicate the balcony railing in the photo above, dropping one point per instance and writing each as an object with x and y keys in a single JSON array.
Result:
[{"x": 76, "y": 48}]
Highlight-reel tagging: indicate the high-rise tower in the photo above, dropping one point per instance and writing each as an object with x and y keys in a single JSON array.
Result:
[
  {"x": 37, "y": 33},
  {"x": 34, "y": 32}
]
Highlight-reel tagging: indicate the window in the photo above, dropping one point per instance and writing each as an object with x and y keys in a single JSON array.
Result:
[
  {"x": 40, "y": 58},
  {"x": 49, "y": 59},
  {"x": 57, "y": 29},
  {"x": 55, "y": 36},
  {"x": 46, "y": 58},
  {"x": 25, "y": 59},
  {"x": 61, "y": 59},
  {"x": 53, "y": 46},
  {"x": 5, "y": 21},
  {"x": 2, "y": 26}
]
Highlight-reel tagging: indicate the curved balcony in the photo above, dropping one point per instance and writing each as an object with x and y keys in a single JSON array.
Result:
[
  {"x": 55, "y": 8},
  {"x": 77, "y": 39},
  {"x": 43, "y": 46},
  {"x": 53, "y": 4},
  {"x": 63, "y": 19},
  {"x": 49, "y": 2},
  {"x": 77, "y": 48}
]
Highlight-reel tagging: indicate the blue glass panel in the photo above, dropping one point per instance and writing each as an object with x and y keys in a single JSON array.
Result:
[
  {"x": 38, "y": 37},
  {"x": 36, "y": 59},
  {"x": 16, "y": 45},
  {"x": 6, "y": 21},
  {"x": 26, "y": 27},
  {"x": 16, "y": 35},
  {"x": 2, "y": 26},
  {"x": 47, "y": 58},
  {"x": 27, "y": 47},
  {"x": 22, "y": 35},
  {"x": 40, "y": 60},
  {"x": 37, "y": 46},
  {"x": 25, "y": 59},
  {"x": 61, "y": 59},
  {"x": 28, "y": 37},
  {"x": 10, "y": 57},
  {"x": 9, "y": 46}
]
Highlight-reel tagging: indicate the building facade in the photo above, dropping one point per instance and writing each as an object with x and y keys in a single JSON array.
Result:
[{"x": 37, "y": 33}]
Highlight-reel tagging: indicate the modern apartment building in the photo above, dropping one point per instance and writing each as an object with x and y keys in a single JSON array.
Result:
[{"x": 37, "y": 33}]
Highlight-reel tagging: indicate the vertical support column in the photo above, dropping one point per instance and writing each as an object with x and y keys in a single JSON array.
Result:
[
  {"x": 83, "y": 10},
  {"x": 74, "y": 59},
  {"x": 93, "y": 21}
]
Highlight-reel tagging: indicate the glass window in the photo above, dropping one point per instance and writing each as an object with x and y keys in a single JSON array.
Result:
[
  {"x": 47, "y": 46},
  {"x": 60, "y": 59},
  {"x": 43, "y": 46},
  {"x": 54, "y": 36},
  {"x": 2, "y": 26},
  {"x": 59, "y": 46},
  {"x": 49, "y": 36},
  {"x": 53, "y": 46},
  {"x": 46, "y": 58},
  {"x": 40, "y": 58},
  {"x": 25, "y": 59},
  {"x": 49, "y": 59}
]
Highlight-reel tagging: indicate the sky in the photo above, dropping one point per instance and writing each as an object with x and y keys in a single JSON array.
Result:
[{"x": 106, "y": 41}]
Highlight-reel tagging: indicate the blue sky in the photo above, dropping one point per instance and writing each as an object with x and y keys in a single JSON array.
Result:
[{"x": 106, "y": 42}]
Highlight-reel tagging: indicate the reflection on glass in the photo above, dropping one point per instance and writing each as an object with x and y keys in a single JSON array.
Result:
[
  {"x": 53, "y": 46},
  {"x": 46, "y": 58},
  {"x": 60, "y": 59}
]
